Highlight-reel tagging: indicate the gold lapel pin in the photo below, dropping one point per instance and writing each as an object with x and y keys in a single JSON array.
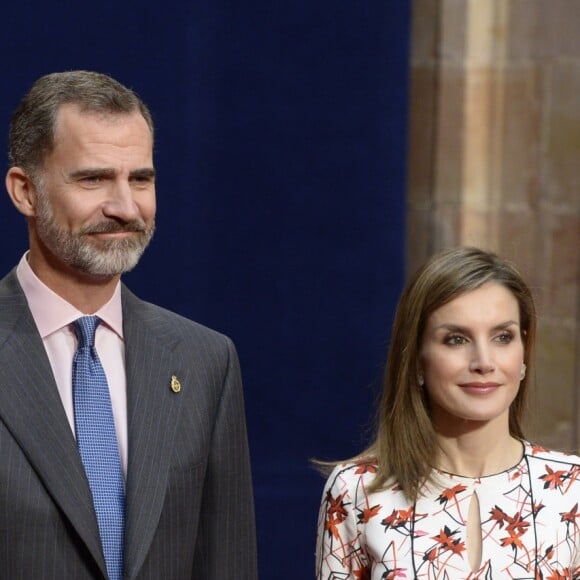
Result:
[{"x": 175, "y": 384}]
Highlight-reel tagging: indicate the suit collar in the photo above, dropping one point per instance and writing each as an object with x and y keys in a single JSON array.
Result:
[
  {"x": 153, "y": 410},
  {"x": 31, "y": 409}
]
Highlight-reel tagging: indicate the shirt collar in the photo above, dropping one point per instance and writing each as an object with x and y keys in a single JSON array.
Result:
[{"x": 52, "y": 312}]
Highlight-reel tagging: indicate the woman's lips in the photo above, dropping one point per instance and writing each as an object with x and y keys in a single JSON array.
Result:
[{"x": 480, "y": 388}]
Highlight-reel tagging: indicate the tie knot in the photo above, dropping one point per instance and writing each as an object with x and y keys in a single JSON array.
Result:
[{"x": 85, "y": 328}]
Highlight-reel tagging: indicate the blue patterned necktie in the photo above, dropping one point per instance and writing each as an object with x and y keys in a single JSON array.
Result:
[{"x": 97, "y": 443}]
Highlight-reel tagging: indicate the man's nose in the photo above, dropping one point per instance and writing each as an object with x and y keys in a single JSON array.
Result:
[{"x": 120, "y": 203}]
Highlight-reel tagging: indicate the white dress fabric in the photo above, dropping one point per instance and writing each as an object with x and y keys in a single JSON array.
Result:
[{"x": 530, "y": 524}]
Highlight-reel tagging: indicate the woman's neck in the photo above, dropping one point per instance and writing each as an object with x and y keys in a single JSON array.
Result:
[{"x": 478, "y": 451}]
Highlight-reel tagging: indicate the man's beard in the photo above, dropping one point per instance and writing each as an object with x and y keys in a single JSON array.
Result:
[{"x": 103, "y": 259}]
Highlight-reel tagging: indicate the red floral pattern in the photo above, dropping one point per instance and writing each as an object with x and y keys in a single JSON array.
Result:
[{"x": 530, "y": 524}]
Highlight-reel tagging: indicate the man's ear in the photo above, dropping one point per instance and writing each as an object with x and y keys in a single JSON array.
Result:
[{"x": 22, "y": 191}]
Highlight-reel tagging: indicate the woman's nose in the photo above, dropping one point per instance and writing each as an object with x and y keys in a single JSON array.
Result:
[{"x": 482, "y": 360}]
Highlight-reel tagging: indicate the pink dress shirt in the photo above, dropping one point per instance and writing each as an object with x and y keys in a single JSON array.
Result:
[{"x": 53, "y": 317}]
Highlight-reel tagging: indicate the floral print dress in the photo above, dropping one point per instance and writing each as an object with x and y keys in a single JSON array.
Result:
[{"x": 530, "y": 524}]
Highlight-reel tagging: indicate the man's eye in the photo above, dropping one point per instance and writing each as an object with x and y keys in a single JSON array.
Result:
[{"x": 140, "y": 182}]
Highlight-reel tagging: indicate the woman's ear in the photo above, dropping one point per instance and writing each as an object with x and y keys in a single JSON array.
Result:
[
  {"x": 22, "y": 191},
  {"x": 420, "y": 377}
]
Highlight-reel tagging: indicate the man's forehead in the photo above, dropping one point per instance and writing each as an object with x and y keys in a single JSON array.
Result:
[
  {"x": 79, "y": 129},
  {"x": 89, "y": 140},
  {"x": 69, "y": 113}
]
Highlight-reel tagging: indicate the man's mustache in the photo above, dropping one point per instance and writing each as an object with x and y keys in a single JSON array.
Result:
[{"x": 113, "y": 227}]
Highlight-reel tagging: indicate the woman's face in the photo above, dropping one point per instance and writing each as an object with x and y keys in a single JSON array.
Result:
[{"x": 472, "y": 356}]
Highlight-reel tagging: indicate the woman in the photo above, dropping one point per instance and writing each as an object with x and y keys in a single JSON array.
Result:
[{"x": 450, "y": 488}]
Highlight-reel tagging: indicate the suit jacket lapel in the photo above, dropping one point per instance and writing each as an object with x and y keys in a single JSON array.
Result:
[
  {"x": 152, "y": 414},
  {"x": 31, "y": 408}
]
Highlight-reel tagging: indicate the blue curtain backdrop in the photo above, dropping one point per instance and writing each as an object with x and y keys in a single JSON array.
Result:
[{"x": 280, "y": 153}]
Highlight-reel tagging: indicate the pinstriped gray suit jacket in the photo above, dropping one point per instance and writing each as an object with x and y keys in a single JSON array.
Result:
[{"x": 189, "y": 495}]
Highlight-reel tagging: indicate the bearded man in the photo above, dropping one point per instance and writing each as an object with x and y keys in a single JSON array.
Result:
[{"x": 122, "y": 431}]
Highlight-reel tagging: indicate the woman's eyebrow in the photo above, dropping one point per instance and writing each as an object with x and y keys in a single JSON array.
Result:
[{"x": 459, "y": 328}]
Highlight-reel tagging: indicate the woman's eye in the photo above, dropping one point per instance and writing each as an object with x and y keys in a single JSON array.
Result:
[
  {"x": 505, "y": 337},
  {"x": 455, "y": 340}
]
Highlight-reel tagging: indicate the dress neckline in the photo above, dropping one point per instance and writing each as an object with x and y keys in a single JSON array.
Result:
[{"x": 515, "y": 467}]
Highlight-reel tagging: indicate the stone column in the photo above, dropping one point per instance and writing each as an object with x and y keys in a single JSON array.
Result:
[{"x": 494, "y": 161}]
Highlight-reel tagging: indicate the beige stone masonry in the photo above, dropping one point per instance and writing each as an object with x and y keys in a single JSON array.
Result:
[{"x": 494, "y": 161}]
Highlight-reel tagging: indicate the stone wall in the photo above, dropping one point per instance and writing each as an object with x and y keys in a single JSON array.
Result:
[{"x": 494, "y": 161}]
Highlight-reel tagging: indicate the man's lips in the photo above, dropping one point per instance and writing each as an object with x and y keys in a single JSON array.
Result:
[
  {"x": 112, "y": 227},
  {"x": 117, "y": 234}
]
